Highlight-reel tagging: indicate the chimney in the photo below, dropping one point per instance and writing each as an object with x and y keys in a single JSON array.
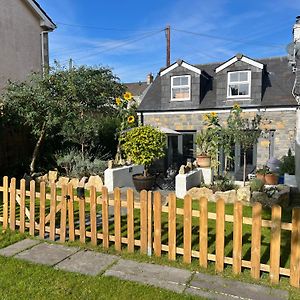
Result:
[
  {"x": 296, "y": 30},
  {"x": 149, "y": 78}
]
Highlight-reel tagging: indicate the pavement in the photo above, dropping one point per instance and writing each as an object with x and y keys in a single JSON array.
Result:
[{"x": 91, "y": 263}]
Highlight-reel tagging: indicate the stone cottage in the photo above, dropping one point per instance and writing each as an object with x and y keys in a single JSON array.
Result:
[{"x": 182, "y": 94}]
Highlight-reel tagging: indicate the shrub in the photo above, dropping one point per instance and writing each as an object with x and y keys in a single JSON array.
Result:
[
  {"x": 256, "y": 185},
  {"x": 75, "y": 165},
  {"x": 288, "y": 164},
  {"x": 143, "y": 145}
]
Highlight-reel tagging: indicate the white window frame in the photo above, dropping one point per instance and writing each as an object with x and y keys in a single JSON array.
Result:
[
  {"x": 182, "y": 86},
  {"x": 238, "y": 82}
]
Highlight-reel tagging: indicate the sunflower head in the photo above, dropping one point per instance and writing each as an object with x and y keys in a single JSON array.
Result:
[
  {"x": 236, "y": 106},
  {"x": 205, "y": 117},
  {"x": 118, "y": 101},
  {"x": 127, "y": 96},
  {"x": 213, "y": 114},
  {"x": 130, "y": 119}
]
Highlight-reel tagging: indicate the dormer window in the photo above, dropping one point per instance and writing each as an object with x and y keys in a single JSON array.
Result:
[
  {"x": 181, "y": 88},
  {"x": 239, "y": 84}
]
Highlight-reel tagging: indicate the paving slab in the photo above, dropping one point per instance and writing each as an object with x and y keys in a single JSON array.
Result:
[
  {"x": 160, "y": 276},
  {"x": 47, "y": 254},
  {"x": 18, "y": 247},
  {"x": 229, "y": 289},
  {"x": 87, "y": 262}
]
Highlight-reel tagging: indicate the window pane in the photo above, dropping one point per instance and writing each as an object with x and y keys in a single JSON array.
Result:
[
  {"x": 180, "y": 93},
  {"x": 233, "y": 90},
  {"x": 184, "y": 80},
  {"x": 243, "y": 76},
  {"x": 176, "y": 81},
  {"x": 233, "y": 77},
  {"x": 244, "y": 89}
]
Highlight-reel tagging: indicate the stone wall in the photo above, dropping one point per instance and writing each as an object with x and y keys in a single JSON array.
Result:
[{"x": 283, "y": 122}]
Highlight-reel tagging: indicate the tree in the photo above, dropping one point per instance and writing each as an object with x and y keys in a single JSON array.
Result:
[
  {"x": 245, "y": 131},
  {"x": 62, "y": 102}
]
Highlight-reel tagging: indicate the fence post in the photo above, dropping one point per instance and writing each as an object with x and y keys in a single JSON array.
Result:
[
  {"x": 105, "y": 218},
  {"x": 295, "y": 249},
  {"x": 275, "y": 244},
  {"x": 71, "y": 213},
  {"x": 187, "y": 230},
  {"x": 53, "y": 199},
  {"x": 42, "y": 209},
  {"x": 130, "y": 220},
  {"x": 220, "y": 231},
  {"x": 203, "y": 236},
  {"x": 93, "y": 215},
  {"x": 5, "y": 202},
  {"x": 256, "y": 240},
  {"x": 237, "y": 237},
  {"x": 63, "y": 214},
  {"x": 157, "y": 224},
  {"x": 144, "y": 221},
  {"x": 149, "y": 225},
  {"x": 32, "y": 208},
  {"x": 117, "y": 218},
  {"x": 22, "y": 205},
  {"x": 172, "y": 227},
  {"x": 12, "y": 199}
]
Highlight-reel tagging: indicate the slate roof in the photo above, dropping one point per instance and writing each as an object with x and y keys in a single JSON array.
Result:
[
  {"x": 136, "y": 88},
  {"x": 277, "y": 94}
]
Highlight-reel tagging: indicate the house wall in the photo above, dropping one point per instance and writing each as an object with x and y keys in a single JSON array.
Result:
[
  {"x": 283, "y": 122},
  {"x": 256, "y": 85},
  {"x": 20, "y": 51}
]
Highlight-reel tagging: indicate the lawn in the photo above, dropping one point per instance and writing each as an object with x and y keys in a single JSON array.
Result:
[{"x": 22, "y": 280}]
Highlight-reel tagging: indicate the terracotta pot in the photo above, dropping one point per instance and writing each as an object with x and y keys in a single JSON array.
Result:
[
  {"x": 203, "y": 161},
  {"x": 261, "y": 177},
  {"x": 142, "y": 182},
  {"x": 271, "y": 179}
]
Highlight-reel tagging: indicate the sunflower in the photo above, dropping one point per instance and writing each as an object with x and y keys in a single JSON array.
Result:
[
  {"x": 127, "y": 96},
  {"x": 236, "y": 106},
  {"x": 130, "y": 119},
  {"x": 205, "y": 117},
  {"x": 213, "y": 114},
  {"x": 118, "y": 101}
]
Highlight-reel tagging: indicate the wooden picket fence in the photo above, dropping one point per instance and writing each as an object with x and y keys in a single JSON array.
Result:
[{"x": 59, "y": 213}]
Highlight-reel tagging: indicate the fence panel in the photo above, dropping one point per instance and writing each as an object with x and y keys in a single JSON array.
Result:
[
  {"x": 220, "y": 232},
  {"x": 172, "y": 227},
  {"x": 295, "y": 249},
  {"x": 157, "y": 224},
  {"x": 32, "y": 208},
  {"x": 130, "y": 220},
  {"x": 203, "y": 236},
  {"x": 187, "y": 230},
  {"x": 22, "y": 205},
  {"x": 117, "y": 218},
  {"x": 12, "y": 208},
  {"x": 144, "y": 222},
  {"x": 105, "y": 218},
  {"x": 237, "y": 237},
  {"x": 5, "y": 202},
  {"x": 71, "y": 213}
]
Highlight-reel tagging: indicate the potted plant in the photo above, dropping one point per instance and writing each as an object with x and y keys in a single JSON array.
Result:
[
  {"x": 206, "y": 141},
  {"x": 142, "y": 145},
  {"x": 271, "y": 178},
  {"x": 261, "y": 173},
  {"x": 287, "y": 168}
]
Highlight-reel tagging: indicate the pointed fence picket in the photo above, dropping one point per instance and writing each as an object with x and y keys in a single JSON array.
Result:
[{"x": 58, "y": 214}]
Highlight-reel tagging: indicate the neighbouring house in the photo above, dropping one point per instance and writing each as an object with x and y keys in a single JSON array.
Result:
[
  {"x": 182, "y": 94},
  {"x": 139, "y": 89},
  {"x": 24, "y": 28}
]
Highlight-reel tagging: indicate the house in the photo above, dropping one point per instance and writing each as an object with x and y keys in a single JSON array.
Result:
[
  {"x": 24, "y": 28},
  {"x": 139, "y": 89},
  {"x": 182, "y": 94}
]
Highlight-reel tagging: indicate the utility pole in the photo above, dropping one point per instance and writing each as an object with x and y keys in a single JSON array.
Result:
[{"x": 168, "y": 39}]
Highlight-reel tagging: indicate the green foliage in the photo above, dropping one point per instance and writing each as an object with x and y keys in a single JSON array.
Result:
[
  {"x": 223, "y": 184},
  {"x": 288, "y": 164},
  {"x": 143, "y": 145},
  {"x": 262, "y": 171},
  {"x": 256, "y": 185},
  {"x": 75, "y": 165},
  {"x": 207, "y": 142}
]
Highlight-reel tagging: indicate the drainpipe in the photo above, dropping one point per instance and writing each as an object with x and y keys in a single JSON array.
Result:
[{"x": 43, "y": 49}]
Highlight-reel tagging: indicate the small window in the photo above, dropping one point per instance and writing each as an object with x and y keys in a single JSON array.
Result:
[
  {"x": 181, "y": 87},
  {"x": 239, "y": 84}
]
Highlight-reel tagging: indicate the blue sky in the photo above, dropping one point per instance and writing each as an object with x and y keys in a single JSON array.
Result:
[{"x": 128, "y": 35}]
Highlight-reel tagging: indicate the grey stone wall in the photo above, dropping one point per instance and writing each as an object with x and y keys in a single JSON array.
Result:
[
  {"x": 284, "y": 124},
  {"x": 256, "y": 85}
]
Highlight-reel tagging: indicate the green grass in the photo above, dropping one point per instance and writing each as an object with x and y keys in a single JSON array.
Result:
[{"x": 23, "y": 280}]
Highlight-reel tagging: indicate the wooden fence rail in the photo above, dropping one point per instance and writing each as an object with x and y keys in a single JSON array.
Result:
[{"x": 190, "y": 232}]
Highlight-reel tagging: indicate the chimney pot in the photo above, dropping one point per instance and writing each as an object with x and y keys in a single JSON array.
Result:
[{"x": 149, "y": 78}]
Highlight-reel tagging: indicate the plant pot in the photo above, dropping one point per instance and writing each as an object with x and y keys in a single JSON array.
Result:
[
  {"x": 262, "y": 177},
  {"x": 142, "y": 182},
  {"x": 203, "y": 161},
  {"x": 271, "y": 179}
]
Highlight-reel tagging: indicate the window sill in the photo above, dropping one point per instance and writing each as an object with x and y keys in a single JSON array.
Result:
[{"x": 179, "y": 100}]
